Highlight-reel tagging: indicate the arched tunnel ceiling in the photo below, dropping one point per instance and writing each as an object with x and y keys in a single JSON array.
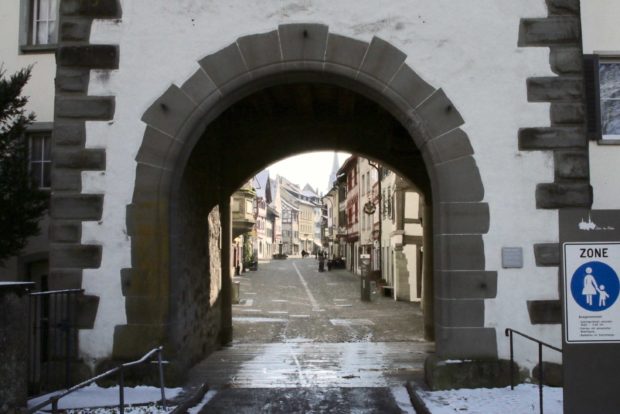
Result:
[{"x": 285, "y": 120}]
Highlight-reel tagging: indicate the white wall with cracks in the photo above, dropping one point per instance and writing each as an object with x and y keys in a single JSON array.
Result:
[{"x": 468, "y": 48}]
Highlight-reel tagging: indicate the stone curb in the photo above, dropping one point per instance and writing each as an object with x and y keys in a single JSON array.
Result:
[
  {"x": 192, "y": 400},
  {"x": 416, "y": 400}
]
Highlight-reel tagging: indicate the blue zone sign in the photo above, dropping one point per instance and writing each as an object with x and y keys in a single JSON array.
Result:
[{"x": 591, "y": 289}]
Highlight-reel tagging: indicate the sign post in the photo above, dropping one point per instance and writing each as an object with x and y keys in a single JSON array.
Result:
[
  {"x": 590, "y": 286},
  {"x": 365, "y": 279}
]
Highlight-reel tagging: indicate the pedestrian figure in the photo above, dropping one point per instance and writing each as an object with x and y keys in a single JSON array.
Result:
[
  {"x": 590, "y": 287},
  {"x": 602, "y": 295},
  {"x": 321, "y": 263}
]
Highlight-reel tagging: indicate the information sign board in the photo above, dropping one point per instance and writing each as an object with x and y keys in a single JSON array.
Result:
[{"x": 591, "y": 289}]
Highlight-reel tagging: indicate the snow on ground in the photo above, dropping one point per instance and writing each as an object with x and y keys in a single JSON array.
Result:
[
  {"x": 205, "y": 400},
  {"x": 401, "y": 396},
  {"x": 523, "y": 400},
  {"x": 95, "y": 396}
]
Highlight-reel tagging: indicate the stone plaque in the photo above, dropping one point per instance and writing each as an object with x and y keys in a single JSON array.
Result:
[{"x": 512, "y": 257}]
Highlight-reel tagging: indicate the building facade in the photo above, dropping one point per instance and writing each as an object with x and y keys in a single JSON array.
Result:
[
  {"x": 484, "y": 114},
  {"x": 29, "y": 41}
]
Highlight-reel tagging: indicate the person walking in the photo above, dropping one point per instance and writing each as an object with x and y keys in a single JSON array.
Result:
[{"x": 590, "y": 287}]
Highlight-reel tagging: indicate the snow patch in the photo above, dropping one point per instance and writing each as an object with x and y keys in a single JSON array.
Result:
[
  {"x": 250, "y": 319},
  {"x": 94, "y": 396},
  {"x": 351, "y": 322},
  {"x": 523, "y": 399},
  {"x": 401, "y": 395},
  {"x": 205, "y": 400}
]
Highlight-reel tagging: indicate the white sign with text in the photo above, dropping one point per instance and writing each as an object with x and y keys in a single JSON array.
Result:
[{"x": 591, "y": 288}]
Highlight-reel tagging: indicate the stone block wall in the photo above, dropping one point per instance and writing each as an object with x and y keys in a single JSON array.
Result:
[{"x": 566, "y": 135}]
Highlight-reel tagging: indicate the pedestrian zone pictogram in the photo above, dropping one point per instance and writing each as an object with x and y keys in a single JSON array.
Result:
[{"x": 595, "y": 286}]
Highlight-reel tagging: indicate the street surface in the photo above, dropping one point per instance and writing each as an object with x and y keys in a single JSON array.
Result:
[{"x": 305, "y": 339}]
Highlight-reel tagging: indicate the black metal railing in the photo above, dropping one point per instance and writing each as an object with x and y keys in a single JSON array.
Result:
[
  {"x": 52, "y": 339},
  {"x": 53, "y": 400},
  {"x": 510, "y": 332}
]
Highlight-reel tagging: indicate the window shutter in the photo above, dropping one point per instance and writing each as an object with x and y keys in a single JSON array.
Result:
[{"x": 592, "y": 96}]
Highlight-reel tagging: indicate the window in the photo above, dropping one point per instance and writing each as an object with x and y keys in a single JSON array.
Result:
[
  {"x": 363, "y": 186},
  {"x": 40, "y": 159},
  {"x": 609, "y": 84},
  {"x": 39, "y": 29},
  {"x": 602, "y": 97}
]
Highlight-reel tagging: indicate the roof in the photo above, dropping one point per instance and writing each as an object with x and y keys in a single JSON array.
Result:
[
  {"x": 348, "y": 163},
  {"x": 287, "y": 204},
  {"x": 306, "y": 202},
  {"x": 260, "y": 183},
  {"x": 309, "y": 191},
  {"x": 272, "y": 211}
]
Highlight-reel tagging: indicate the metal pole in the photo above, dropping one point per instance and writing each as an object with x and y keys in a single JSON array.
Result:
[
  {"x": 540, "y": 376},
  {"x": 54, "y": 405},
  {"x": 121, "y": 390},
  {"x": 67, "y": 327},
  {"x": 161, "y": 379},
  {"x": 380, "y": 202},
  {"x": 512, "y": 385}
]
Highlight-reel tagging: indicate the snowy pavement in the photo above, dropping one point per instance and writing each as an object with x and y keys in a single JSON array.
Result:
[
  {"x": 522, "y": 400},
  {"x": 94, "y": 396}
]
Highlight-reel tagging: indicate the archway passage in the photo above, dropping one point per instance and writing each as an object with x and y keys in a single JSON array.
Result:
[
  {"x": 265, "y": 97},
  {"x": 264, "y": 127}
]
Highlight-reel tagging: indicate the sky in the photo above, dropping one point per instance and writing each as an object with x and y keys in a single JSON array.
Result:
[{"x": 311, "y": 168}]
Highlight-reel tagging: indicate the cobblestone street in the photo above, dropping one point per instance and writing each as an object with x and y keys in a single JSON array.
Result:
[
  {"x": 304, "y": 335},
  {"x": 290, "y": 300}
]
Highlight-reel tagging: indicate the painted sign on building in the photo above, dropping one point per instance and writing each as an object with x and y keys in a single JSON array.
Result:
[{"x": 591, "y": 288}]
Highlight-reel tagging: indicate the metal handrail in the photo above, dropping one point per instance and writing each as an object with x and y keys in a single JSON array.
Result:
[
  {"x": 509, "y": 332},
  {"x": 53, "y": 400},
  {"x": 54, "y": 292}
]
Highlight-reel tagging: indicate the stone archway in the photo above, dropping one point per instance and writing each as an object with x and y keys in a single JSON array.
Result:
[{"x": 309, "y": 53}]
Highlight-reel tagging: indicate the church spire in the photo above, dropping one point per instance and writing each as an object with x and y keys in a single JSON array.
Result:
[{"x": 332, "y": 176}]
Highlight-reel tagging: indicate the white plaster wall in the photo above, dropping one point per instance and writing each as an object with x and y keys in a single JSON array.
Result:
[
  {"x": 604, "y": 175},
  {"x": 412, "y": 264},
  {"x": 599, "y": 26},
  {"x": 412, "y": 205},
  {"x": 40, "y": 88},
  {"x": 468, "y": 48}
]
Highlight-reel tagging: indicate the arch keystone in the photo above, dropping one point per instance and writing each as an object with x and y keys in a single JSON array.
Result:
[
  {"x": 344, "y": 51},
  {"x": 303, "y": 42}
]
